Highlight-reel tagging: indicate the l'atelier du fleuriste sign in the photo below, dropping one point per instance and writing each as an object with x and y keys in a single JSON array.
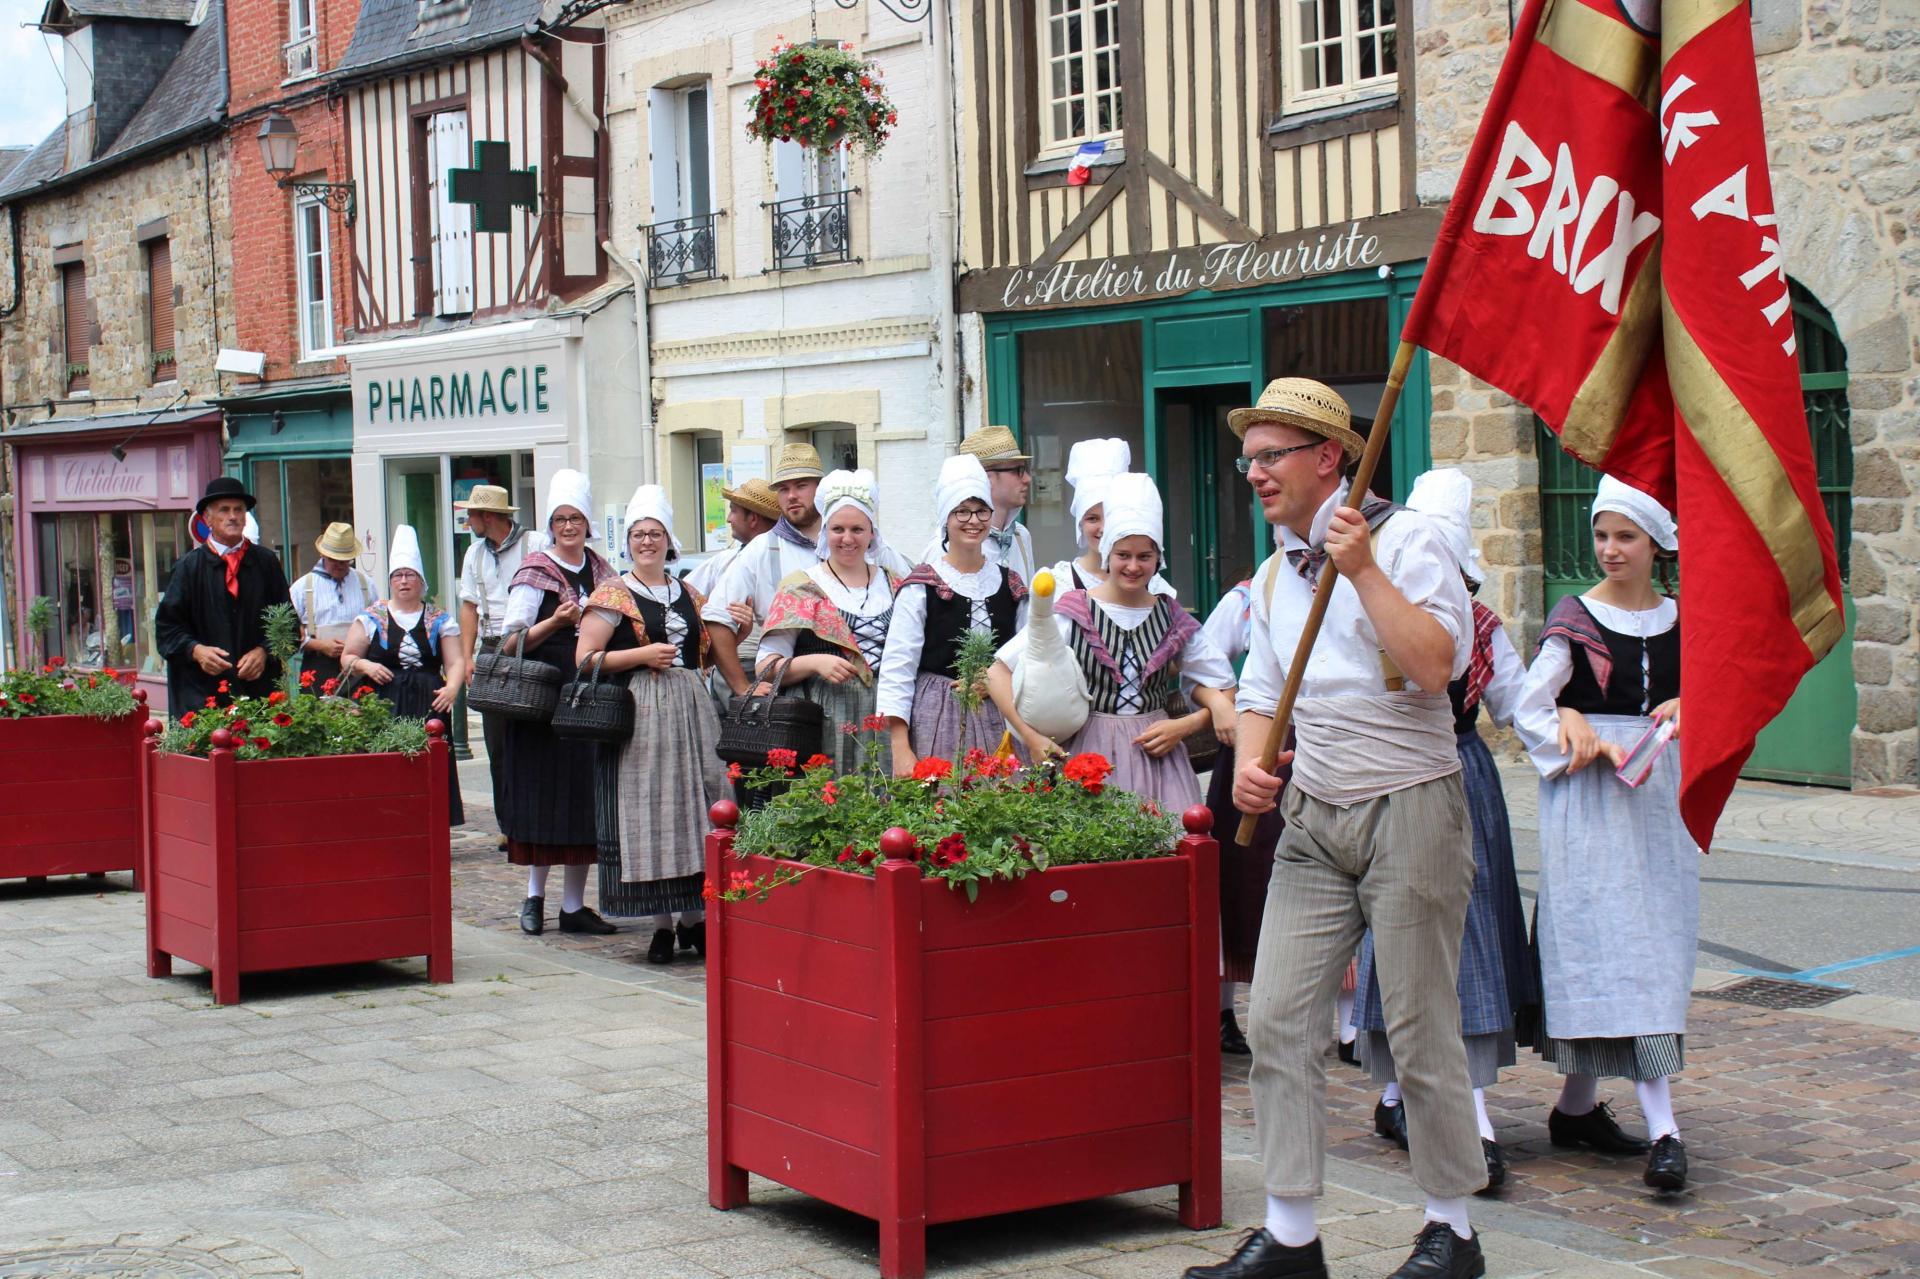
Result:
[{"x": 1171, "y": 272}]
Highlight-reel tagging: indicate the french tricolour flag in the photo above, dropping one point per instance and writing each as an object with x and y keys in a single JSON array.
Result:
[{"x": 1081, "y": 170}]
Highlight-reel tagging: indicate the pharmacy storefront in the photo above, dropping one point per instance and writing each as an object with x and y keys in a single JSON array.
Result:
[{"x": 434, "y": 417}]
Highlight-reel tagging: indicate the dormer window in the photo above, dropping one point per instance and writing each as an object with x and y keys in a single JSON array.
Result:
[
  {"x": 301, "y": 59},
  {"x": 439, "y": 15}
]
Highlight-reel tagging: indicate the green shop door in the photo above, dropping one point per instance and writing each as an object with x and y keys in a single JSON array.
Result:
[{"x": 1211, "y": 521}]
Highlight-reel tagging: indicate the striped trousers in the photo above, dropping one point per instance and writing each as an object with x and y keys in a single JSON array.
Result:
[{"x": 1402, "y": 863}]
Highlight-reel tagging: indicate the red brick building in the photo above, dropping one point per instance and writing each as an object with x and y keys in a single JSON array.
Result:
[{"x": 291, "y": 429}]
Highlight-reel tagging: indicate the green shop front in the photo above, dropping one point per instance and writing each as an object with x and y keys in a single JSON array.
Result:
[
  {"x": 1163, "y": 373},
  {"x": 291, "y": 444}
]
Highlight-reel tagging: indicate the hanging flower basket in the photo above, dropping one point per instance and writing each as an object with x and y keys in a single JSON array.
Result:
[{"x": 823, "y": 96}]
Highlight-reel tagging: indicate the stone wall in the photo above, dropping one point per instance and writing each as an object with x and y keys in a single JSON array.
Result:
[
  {"x": 104, "y": 216},
  {"x": 1840, "y": 88}
]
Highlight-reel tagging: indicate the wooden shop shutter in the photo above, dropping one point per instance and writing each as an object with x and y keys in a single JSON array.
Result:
[
  {"x": 160, "y": 309},
  {"x": 78, "y": 322}
]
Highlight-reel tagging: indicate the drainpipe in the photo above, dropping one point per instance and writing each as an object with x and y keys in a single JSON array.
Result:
[
  {"x": 642, "y": 358},
  {"x": 940, "y": 46}
]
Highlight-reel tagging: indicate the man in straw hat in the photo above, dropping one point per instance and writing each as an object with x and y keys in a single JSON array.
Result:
[
  {"x": 493, "y": 557},
  {"x": 1376, "y": 829},
  {"x": 208, "y": 625},
  {"x": 1011, "y": 479},
  {"x": 328, "y": 598},
  {"x": 752, "y": 509}
]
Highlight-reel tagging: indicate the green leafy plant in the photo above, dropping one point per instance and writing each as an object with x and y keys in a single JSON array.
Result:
[
  {"x": 992, "y": 818},
  {"x": 55, "y": 690},
  {"x": 282, "y": 726},
  {"x": 39, "y": 621},
  {"x": 824, "y": 96},
  {"x": 282, "y": 626}
]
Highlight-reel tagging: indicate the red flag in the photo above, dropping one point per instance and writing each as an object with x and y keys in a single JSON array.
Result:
[{"x": 1610, "y": 260}]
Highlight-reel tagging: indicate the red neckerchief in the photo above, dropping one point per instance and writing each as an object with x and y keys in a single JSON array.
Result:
[
  {"x": 233, "y": 559},
  {"x": 1480, "y": 665}
]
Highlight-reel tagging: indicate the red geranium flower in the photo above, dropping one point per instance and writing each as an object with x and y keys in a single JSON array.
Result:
[
  {"x": 28, "y": 698},
  {"x": 1089, "y": 769},
  {"x": 778, "y": 758},
  {"x": 845, "y": 854},
  {"x": 221, "y": 687},
  {"x": 361, "y": 692},
  {"x": 950, "y": 851},
  {"x": 932, "y": 769},
  {"x": 276, "y": 697},
  {"x": 326, "y": 689},
  {"x": 733, "y": 772},
  {"x": 238, "y": 726},
  {"x": 849, "y": 728},
  {"x": 282, "y": 720},
  {"x": 708, "y": 892},
  {"x": 830, "y": 794},
  {"x": 186, "y": 721},
  {"x": 56, "y": 661},
  {"x": 212, "y": 702},
  {"x": 264, "y": 743},
  {"x": 307, "y": 678},
  {"x": 818, "y": 761},
  {"x": 874, "y": 723}
]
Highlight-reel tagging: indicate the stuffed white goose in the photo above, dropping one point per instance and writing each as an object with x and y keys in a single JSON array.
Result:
[{"x": 1049, "y": 691}]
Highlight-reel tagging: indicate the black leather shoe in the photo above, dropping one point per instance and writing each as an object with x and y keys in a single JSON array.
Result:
[
  {"x": 1440, "y": 1254},
  {"x": 693, "y": 937},
  {"x": 1231, "y": 1040},
  {"x": 1496, "y": 1166},
  {"x": 1391, "y": 1122},
  {"x": 533, "y": 916},
  {"x": 1597, "y": 1129},
  {"x": 1347, "y": 1051},
  {"x": 1261, "y": 1256},
  {"x": 661, "y": 950},
  {"x": 584, "y": 920},
  {"x": 1667, "y": 1165}
]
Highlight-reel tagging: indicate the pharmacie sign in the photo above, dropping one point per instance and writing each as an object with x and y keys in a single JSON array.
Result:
[{"x": 485, "y": 391}]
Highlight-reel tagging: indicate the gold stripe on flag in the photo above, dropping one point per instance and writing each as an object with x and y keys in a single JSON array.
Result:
[
  {"x": 1682, "y": 20},
  {"x": 1743, "y": 455},
  {"x": 1602, "y": 47},
  {"x": 1599, "y": 407}
]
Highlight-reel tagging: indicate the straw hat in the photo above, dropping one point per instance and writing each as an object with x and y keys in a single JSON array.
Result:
[
  {"x": 756, "y": 495},
  {"x": 994, "y": 446},
  {"x": 339, "y": 543},
  {"x": 798, "y": 462},
  {"x": 488, "y": 497},
  {"x": 1307, "y": 404}
]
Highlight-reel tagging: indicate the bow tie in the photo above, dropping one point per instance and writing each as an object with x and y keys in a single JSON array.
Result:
[
  {"x": 1306, "y": 561},
  {"x": 1002, "y": 538}
]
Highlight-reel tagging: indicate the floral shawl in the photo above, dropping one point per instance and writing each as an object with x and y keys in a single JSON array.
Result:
[
  {"x": 802, "y": 606},
  {"x": 615, "y": 596}
]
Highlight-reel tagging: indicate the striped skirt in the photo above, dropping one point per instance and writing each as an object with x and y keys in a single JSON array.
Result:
[
  {"x": 652, "y": 798},
  {"x": 847, "y": 703},
  {"x": 936, "y": 727}
]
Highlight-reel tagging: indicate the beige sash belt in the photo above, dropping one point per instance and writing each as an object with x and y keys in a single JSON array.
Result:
[{"x": 1353, "y": 748}]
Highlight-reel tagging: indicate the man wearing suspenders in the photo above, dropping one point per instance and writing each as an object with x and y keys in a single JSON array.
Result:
[
  {"x": 493, "y": 557},
  {"x": 328, "y": 599}
]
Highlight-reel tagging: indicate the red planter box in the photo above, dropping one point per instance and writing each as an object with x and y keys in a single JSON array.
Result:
[
  {"x": 884, "y": 1045},
  {"x": 69, "y": 795},
  {"x": 292, "y": 863}
]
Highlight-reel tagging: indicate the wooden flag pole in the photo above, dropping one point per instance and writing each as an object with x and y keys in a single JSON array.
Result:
[{"x": 1323, "y": 591}]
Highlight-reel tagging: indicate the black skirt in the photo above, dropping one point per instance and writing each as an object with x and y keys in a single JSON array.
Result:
[
  {"x": 1244, "y": 872},
  {"x": 550, "y": 791},
  {"x": 411, "y": 692}
]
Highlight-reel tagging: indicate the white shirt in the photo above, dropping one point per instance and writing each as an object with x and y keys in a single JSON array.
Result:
[
  {"x": 705, "y": 576},
  {"x": 486, "y": 574},
  {"x": 1230, "y": 625},
  {"x": 1064, "y": 578},
  {"x": 872, "y": 601},
  {"x": 523, "y": 602},
  {"x": 907, "y": 632},
  {"x": 409, "y": 651},
  {"x": 1202, "y": 664},
  {"x": 321, "y": 601},
  {"x": 1536, "y": 714},
  {"x": 1346, "y": 658},
  {"x": 1020, "y": 559}
]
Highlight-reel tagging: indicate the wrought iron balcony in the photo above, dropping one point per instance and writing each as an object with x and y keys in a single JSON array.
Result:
[
  {"x": 813, "y": 230},
  {"x": 681, "y": 250}
]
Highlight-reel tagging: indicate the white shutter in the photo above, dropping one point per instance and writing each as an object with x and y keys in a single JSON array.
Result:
[
  {"x": 789, "y": 170},
  {"x": 663, "y": 138},
  {"x": 452, "y": 223}
]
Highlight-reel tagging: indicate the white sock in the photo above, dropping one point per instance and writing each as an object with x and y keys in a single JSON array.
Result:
[
  {"x": 1347, "y": 1031},
  {"x": 1656, "y": 1103},
  {"x": 1578, "y": 1093},
  {"x": 663, "y": 923},
  {"x": 1480, "y": 1113},
  {"x": 1290, "y": 1220},
  {"x": 1451, "y": 1211},
  {"x": 573, "y": 891},
  {"x": 692, "y": 917},
  {"x": 1390, "y": 1096},
  {"x": 1226, "y": 996},
  {"x": 537, "y": 880}
]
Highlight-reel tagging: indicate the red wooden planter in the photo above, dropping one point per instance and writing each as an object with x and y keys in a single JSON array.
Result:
[
  {"x": 289, "y": 863},
  {"x": 884, "y": 1045},
  {"x": 69, "y": 795}
]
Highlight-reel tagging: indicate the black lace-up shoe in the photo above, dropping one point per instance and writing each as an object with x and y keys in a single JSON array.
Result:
[
  {"x": 1231, "y": 1040},
  {"x": 1597, "y": 1129},
  {"x": 533, "y": 916},
  {"x": 660, "y": 950},
  {"x": 1261, "y": 1256},
  {"x": 1667, "y": 1165},
  {"x": 1496, "y": 1166},
  {"x": 1391, "y": 1122},
  {"x": 1440, "y": 1254},
  {"x": 584, "y": 920}
]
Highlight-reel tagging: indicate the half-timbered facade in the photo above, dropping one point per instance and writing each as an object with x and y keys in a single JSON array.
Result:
[{"x": 477, "y": 150}]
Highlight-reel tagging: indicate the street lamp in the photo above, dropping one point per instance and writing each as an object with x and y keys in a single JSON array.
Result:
[{"x": 279, "y": 144}]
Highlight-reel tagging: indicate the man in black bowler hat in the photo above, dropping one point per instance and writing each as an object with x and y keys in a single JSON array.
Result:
[{"x": 208, "y": 624}]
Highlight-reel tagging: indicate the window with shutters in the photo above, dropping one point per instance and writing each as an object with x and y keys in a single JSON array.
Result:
[
  {"x": 1336, "y": 51},
  {"x": 681, "y": 239},
  {"x": 76, "y": 325},
  {"x": 313, "y": 269},
  {"x": 444, "y": 263},
  {"x": 160, "y": 360}
]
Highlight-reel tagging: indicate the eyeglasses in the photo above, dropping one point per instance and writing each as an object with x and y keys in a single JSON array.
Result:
[
  {"x": 971, "y": 516},
  {"x": 649, "y": 535},
  {"x": 1267, "y": 459},
  {"x": 568, "y": 521},
  {"x": 1021, "y": 471}
]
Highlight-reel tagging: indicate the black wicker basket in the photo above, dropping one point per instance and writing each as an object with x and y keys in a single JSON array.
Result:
[
  {"x": 507, "y": 683},
  {"x": 592, "y": 709},
  {"x": 755, "y": 723}
]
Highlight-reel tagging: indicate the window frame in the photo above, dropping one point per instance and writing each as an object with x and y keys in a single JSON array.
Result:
[
  {"x": 159, "y": 370},
  {"x": 1086, "y": 12},
  {"x": 300, "y": 40},
  {"x": 1382, "y": 83},
  {"x": 305, "y": 303},
  {"x": 81, "y": 383}
]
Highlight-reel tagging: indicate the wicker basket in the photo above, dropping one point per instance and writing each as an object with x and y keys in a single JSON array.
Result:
[
  {"x": 755, "y": 723},
  {"x": 594, "y": 711},
  {"x": 507, "y": 683}
]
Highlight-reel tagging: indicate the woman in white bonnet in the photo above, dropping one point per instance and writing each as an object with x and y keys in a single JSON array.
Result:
[{"x": 1619, "y": 909}]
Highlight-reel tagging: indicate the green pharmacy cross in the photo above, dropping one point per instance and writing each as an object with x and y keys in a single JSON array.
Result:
[{"x": 493, "y": 186}]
